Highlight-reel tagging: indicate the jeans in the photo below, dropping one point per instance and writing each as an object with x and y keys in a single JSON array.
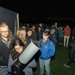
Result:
[
  {"x": 66, "y": 40},
  {"x": 29, "y": 68},
  {"x": 45, "y": 63}
]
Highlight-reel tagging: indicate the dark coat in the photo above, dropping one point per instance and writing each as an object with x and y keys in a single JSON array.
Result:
[
  {"x": 4, "y": 54},
  {"x": 72, "y": 51}
]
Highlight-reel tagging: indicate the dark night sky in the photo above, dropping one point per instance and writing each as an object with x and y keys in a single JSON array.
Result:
[{"x": 39, "y": 9}]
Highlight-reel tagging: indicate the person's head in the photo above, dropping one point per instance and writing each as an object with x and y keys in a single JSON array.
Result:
[
  {"x": 46, "y": 35},
  {"x": 56, "y": 24},
  {"x": 67, "y": 26},
  {"x": 61, "y": 28},
  {"x": 29, "y": 32},
  {"x": 33, "y": 27},
  {"x": 21, "y": 33},
  {"x": 40, "y": 24},
  {"x": 4, "y": 31},
  {"x": 39, "y": 28},
  {"x": 47, "y": 29}
]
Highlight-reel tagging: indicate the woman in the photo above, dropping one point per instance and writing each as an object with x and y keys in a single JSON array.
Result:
[
  {"x": 21, "y": 42},
  {"x": 5, "y": 43}
]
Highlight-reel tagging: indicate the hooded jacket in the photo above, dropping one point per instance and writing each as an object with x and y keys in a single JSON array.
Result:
[{"x": 47, "y": 49}]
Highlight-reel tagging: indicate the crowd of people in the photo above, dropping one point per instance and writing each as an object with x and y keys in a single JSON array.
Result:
[{"x": 47, "y": 39}]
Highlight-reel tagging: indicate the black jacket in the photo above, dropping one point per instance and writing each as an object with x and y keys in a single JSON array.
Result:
[{"x": 4, "y": 54}]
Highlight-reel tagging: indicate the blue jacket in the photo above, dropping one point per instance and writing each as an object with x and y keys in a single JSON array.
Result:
[{"x": 47, "y": 49}]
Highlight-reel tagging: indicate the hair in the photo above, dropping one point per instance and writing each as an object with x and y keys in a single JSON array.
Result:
[
  {"x": 20, "y": 36},
  {"x": 4, "y": 24},
  {"x": 47, "y": 33},
  {"x": 29, "y": 29}
]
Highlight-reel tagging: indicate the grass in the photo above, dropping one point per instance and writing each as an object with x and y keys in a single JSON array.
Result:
[{"x": 57, "y": 65}]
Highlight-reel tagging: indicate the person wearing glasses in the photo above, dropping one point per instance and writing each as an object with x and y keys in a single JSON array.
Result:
[
  {"x": 47, "y": 50},
  {"x": 5, "y": 42}
]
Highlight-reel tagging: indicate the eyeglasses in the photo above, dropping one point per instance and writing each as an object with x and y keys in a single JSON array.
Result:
[{"x": 4, "y": 31}]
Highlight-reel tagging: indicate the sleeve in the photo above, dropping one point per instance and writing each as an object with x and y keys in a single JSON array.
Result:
[
  {"x": 3, "y": 59},
  {"x": 32, "y": 64},
  {"x": 52, "y": 48},
  {"x": 39, "y": 42}
]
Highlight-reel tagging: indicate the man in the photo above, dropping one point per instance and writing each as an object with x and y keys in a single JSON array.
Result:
[
  {"x": 47, "y": 50},
  {"x": 5, "y": 40},
  {"x": 71, "y": 54},
  {"x": 67, "y": 34}
]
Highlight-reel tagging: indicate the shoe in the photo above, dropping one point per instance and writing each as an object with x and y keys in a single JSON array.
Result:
[{"x": 66, "y": 65}]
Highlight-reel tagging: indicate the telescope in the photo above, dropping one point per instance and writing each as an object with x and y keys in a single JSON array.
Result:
[{"x": 24, "y": 58}]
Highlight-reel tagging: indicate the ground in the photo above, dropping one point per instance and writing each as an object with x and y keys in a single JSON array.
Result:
[{"x": 57, "y": 65}]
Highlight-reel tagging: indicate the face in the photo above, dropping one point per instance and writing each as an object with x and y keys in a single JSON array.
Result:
[
  {"x": 67, "y": 26},
  {"x": 33, "y": 27},
  {"x": 22, "y": 33},
  {"x": 29, "y": 33},
  {"x": 39, "y": 28},
  {"x": 4, "y": 31},
  {"x": 45, "y": 37}
]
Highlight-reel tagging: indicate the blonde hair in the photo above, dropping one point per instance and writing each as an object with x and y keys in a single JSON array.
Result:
[
  {"x": 23, "y": 39},
  {"x": 4, "y": 24}
]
